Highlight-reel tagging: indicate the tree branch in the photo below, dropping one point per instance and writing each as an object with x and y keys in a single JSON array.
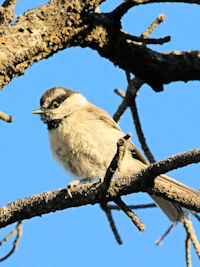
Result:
[
  {"x": 57, "y": 25},
  {"x": 122, "y": 9},
  {"x": 191, "y": 234},
  {"x": 92, "y": 193},
  {"x": 7, "y": 14},
  {"x": 130, "y": 214},
  {"x": 159, "y": 41},
  {"x": 134, "y": 207},
  {"x": 17, "y": 229},
  {"x": 5, "y": 117},
  {"x": 104, "y": 207}
]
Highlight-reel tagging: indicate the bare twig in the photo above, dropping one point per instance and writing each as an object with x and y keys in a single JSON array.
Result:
[
  {"x": 153, "y": 26},
  {"x": 159, "y": 241},
  {"x": 135, "y": 82},
  {"x": 5, "y": 117},
  {"x": 120, "y": 111},
  {"x": 191, "y": 234},
  {"x": 107, "y": 211},
  {"x": 187, "y": 251},
  {"x": 9, "y": 235},
  {"x": 159, "y": 41},
  {"x": 121, "y": 10},
  {"x": 18, "y": 229},
  {"x": 119, "y": 93},
  {"x": 139, "y": 131},
  {"x": 114, "y": 165},
  {"x": 195, "y": 215},
  {"x": 116, "y": 161},
  {"x": 130, "y": 214},
  {"x": 134, "y": 207}
]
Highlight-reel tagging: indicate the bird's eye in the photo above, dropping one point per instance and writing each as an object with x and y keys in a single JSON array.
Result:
[{"x": 55, "y": 105}]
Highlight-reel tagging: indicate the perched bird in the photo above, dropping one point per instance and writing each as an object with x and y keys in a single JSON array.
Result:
[{"x": 83, "y": 139}]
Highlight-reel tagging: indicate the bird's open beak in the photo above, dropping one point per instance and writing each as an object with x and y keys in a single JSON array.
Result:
[{"x": 37, "y": 111}]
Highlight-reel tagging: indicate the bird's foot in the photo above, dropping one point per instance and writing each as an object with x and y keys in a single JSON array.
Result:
[{"x": 71, "y": 186}]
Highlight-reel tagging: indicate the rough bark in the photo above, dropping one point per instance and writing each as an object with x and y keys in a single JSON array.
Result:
[
  {"x": 57, "y": 25},
  {"x": 80, "y": 195}
]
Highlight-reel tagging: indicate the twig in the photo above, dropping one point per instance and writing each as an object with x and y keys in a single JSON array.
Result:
[
  {"x": 159, "y": 41},
  {"x": 114, "y": 165},
  {"x": 195, "y": 215},
  {"x": 153, "y": 26},
  {"x": 16, "y": 242},
  {"x": 116, "y": 161},
  {"x": 106, "y": 209},
  {"x": 5, "y": 117},
  {"x": 159, "y": 241},
  {"x": 120, "y": 111},
  {"x": 130, "y": 214},
  {"x": 9, "y": 236},
  {"x": 139, "y": 131},
  {"x": 134, "y": 207},
  {"x": 121, "y": 10},
  {"x": 191, "y": 233},
  {"x": 119, "y": 93},
  {"x": 187, "y": 251},
  {"x": 136, "y": 82}
]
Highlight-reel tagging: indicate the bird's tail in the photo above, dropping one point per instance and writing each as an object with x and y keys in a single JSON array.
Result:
[{"x": 172, "y": 210}]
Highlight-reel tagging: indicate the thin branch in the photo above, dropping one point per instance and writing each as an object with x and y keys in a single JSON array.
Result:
[
  {"x": 107, "y": 211},
  {"x": 132, "y": 104},
  {"x": 5, "y": 117},
  {"x": 134, "y": 207},
  {"x": 16, "y": 241},
  {"x": 116, "y": 161},
  {"x": 122, "y": 9},
  {"x": 195, "y": 215},
  {"x": 159, "y": 41},
  {"x": 153, "y": 26},
  {"x": 187, "y": 251},
  {"x": 130, "y": 214},
  {"x": 120, "y": 111},
  {"x": 159, "y": 241},
  {"x": 119, "y": 93},
  {"x": 135, "y": 82},
  {"x": 139, "y": 131},
  {"x": 191, "y": 233},
  {"x": 9, "y": 236}
]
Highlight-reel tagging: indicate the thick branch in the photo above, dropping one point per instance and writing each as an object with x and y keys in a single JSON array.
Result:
[
  {"x": 57, "y": 25},
  {"x": 92, "y": 193}
]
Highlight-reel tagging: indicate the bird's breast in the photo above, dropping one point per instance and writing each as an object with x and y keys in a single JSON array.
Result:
[{"x": 79, "y": 155}]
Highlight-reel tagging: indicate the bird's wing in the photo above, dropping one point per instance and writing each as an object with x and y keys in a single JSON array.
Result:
[{"x": 108, "y": 120}]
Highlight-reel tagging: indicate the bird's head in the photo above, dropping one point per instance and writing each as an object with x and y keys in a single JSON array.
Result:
[{"x": 57, "y": 103}]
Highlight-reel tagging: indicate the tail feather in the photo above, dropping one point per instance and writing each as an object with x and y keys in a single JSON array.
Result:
[{"x": 172, "y": 210}]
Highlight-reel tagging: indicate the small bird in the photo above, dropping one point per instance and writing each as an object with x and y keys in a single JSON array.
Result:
[{"x": 83, "y": 139}]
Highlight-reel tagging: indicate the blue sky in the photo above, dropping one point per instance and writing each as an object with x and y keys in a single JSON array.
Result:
[{"x": 170, "y": 119}]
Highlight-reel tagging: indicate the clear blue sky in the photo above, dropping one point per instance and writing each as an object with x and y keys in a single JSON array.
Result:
[{"x": 170, "y": 119}]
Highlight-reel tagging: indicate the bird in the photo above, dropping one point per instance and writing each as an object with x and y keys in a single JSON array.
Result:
[{"x": 83, "y": 139}]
